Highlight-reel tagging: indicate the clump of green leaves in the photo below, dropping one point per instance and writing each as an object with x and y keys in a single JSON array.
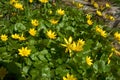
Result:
[{"x": 47, "y": 59}]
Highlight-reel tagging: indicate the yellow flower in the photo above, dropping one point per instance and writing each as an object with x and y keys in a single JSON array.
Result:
[
  {"x": 60, "y": 11},
  {"x": 3, "y": 73},
  {"x": 117, "y": 36},
  {"x": 32, "y": 32},
  {"x": 68, "y": 44},
  {"x": 53, "y": 21},
  {"x": 13, "y": 1},
  {"x": 78, "y": 46},
  {"x": 69, "y": 77},
  {"x": 24, "y": 51},
  {"x": 111, "y": 18},
  {"x": 79, "y": 5},
  {"x": 109, "y": 60},
  {"x": 117, "y": 52},
  {"x": 4, "y": 37},
  {"x": 110, "y": 57},
  {"x": 99, "y": 13},
  {"x": 107, "y": 5},
  {"x": 1, "y": 15},
  {"x": 18, "y": 6},
  {"x": 22, "y": 38},
  {"x": 88, "y": 16},
  {"x": 102, "y": 32},
  {"x": 30, "y": 1},
  {"x": 50, "y": 11},
  {"x": 89, "y": 22},
  {"x": 89, "y": 61},
  {"x": 51, "y": 34},
  {"x": 81, "y": 42},
  {"x": 95, "y": 5},
  {"x": 34, "y": 22},
  {"x": 15, "y": 36},
  {"x": 113, "y": 49},
  {"x": 43, "y": 1},
  {"x": 98, "y": 29}
]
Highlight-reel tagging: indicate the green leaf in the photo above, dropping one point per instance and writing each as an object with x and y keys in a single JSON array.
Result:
[
  {"x": 95, "y": 67},
  {"x": 19, "y": 27},
  {"x": 31, "y": 41},
  {"x": 2, "y": 49},
  {"x": 34, "y": 57},
  {"x": 25, "y": 70},
  {"x": 88, "y": 44},
  {"x": 28, "y": 61},
  {"x": 59, "y": 61},
  {"x": 42, "y": 55},
  {"x": 46, "y": 72},
  {"x": 44, "y": 51},
  {"x": 98, "y": 45},
  {"x": 99, "y": 66},
  {"x": 34, "y": 73}
]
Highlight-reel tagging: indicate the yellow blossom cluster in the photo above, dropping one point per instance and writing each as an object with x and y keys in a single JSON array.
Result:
[
  {"x": 107, "y": 5},
  {"x": 53, "y": 21},
  {"x": 73, "y": 46},
  {"x": 30, "y": 1},
  {"x": 13, "y": 1},
  {"x": 24, "y": 51},
  {"x": 34, "y": 22},
  {"x": 110, "y": 17},
  {"x": 99, "y": 13},
  {"x": 101, "y": 31},
  {"x": 60, "y": 11},
  {"x": 19, "y": 37},
  {"x": 110, "y": 57},
  {"x": 32, "y": 31},
  {"x": 117, "y": 36},
  {"x": 16, "y": 4},
  {"x": 116, "y": 51},
  {"x": 77, "y": 4},
  {"x": 15, "y": 36},
  {"x": 95, "y": 4},
  {"x": 89, "y": 60},
  {"x": 69, "y": 77},
  {"x": 100, "y": 7},
  {"x": 89, "y": 21},
  {"x": 4, "y": 37},
  {"x": 43, "y": 1},
  {"x": 50, "y": 11},
  {"x": 51, "y": 34},
  {"x": 78, "y": 46}
]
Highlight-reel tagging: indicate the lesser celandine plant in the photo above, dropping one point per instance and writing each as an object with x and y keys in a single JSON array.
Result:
[{"x": 41, "y": 41}]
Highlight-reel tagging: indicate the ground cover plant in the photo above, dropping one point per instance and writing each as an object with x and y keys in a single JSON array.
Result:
[{"x": 41, "y": 40}]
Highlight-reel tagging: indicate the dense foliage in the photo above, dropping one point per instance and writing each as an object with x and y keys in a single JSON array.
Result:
[{"x": 40, "y": 40}]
